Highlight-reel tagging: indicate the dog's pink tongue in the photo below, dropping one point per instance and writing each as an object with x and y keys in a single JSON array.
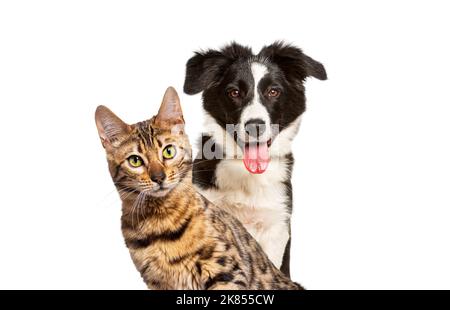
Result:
[{"x": 256, "y": 158}]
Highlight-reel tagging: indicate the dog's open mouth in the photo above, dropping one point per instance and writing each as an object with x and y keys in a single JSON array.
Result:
[{"x": 256, "y": 156}]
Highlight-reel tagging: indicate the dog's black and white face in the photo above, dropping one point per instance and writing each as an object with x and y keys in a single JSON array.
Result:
[{"x": 253, "y": 97}]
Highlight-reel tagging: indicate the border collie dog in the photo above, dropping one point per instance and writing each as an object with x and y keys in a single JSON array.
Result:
[{"x": 253, "y": 104}]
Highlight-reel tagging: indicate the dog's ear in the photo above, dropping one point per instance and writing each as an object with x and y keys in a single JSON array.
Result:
[
  {"x": 295, "y": 64},
  {"x": 202, "y": 69},
  {"x": 206, "y": 67}
]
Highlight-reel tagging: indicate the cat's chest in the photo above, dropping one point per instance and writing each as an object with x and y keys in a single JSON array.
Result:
[
  {"x": 166, "y": 273},
  {"x": 180, "y": 280}
]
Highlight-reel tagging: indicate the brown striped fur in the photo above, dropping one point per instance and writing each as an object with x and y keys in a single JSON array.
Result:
[{"x": 177, "y": 239}]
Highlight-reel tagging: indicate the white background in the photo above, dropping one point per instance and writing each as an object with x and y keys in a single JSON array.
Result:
[{"x": 372, "y": 177}]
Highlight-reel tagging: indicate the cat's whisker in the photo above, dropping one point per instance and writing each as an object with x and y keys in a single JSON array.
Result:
[
  {"x": 137, "y": 202},
  {"x": 144, "y": 213},
  {"x": 127, "y": 190},
  {"x": 174, "y": 179},
  {"x": 107, "y": 196},
  {"x": 124, "y": 193},
  {"x": 138, "y": 206},
  {"x": 203, "y": 170},
  {"x": 202, "y": 161}
]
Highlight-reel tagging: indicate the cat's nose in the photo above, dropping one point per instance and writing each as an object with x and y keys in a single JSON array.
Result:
[{"x": 158, "y": 177}]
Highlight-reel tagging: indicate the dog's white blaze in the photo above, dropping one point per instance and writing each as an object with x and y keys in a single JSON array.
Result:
[
  {"x": 255, "y": 109},
  {"x": 258, "y": 71}
]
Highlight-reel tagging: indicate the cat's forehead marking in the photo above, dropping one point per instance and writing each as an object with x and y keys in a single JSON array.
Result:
[
  {"x": 169, "y": 140},
  {"x": 141, "y": 146},
  {"x": 145, "y": 132},
  {"x": 129, "y": 147}
]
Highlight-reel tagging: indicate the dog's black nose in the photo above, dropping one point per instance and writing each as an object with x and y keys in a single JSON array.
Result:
[
  {"x": 255, "y": 127},
  {"x": 158, "y": 177}
]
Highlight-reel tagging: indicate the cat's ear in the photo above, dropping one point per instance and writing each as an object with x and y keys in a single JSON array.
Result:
[
  {"x": 110, "y": 127},
  {"x": 170, "y": 113}
]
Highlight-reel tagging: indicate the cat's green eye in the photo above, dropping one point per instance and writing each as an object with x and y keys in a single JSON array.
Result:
[
  {"x": 135, "y": 161},
  {"x": 169, "y": 152}
]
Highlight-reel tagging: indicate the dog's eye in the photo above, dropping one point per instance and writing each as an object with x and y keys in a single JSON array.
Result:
[
  {"x": 234, "y": 93},
  {"x": 273, "y": 92}
]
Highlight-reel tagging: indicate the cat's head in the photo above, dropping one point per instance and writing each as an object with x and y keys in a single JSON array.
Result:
[{"x": 149, "y": 157}]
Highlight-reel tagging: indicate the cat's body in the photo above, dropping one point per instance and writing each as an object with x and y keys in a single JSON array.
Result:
[
  {"x": 177, "y": 239},
  {"x": 182, "y": 241}
]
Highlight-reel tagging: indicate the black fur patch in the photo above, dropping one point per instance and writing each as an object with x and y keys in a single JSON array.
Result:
[
  {"x": 203, "y": 174},
  {"x": 222, "y": 260},
  {"x": 172, "y": 235},
  {"x": 198, "y": 266},
  {"x": 241, "y": 283},
  {"x": 206, "y": 253},
  {"x": 221, "y": 277}
]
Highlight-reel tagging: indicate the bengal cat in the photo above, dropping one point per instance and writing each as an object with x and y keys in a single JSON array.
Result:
[{"x": 177, "y": 239}]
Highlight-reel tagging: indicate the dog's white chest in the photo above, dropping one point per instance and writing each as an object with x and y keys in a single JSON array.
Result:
[{"x": 258, "y": 201}]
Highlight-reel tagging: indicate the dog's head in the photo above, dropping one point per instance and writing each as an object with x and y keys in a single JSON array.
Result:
[{"x": 256, "y": 96}]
